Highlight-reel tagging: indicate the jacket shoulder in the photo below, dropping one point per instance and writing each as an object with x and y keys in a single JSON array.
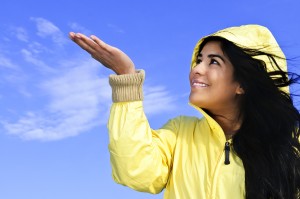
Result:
[{"x": 183, "y": 120}]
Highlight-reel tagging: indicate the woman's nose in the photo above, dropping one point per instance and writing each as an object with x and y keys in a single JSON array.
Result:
[{"x": 200, "y": 68}]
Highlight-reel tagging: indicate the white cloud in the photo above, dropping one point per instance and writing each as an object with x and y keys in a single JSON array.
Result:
[
  {"x": 116, "y": 28},
  {"x": 48, "y": 29},
  {"x": 78, "y": 100},
  {"x": 20, "y": 33},
  {"x": 78, "y": 28},
  {"x": 7, "y": 63},
  {"x": 24, "y": 92},
  {"x": 36, "y": 48},
  {"x": 158, "y": 100},
  {"x": 43, "y": 67},
  {"x": 78, "y": 88}
]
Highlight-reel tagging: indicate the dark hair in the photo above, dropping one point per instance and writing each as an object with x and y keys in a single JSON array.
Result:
[{"x": 268, "y": 140}]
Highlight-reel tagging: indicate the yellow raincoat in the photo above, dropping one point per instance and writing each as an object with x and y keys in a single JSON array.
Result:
[{"x": 186, "y": 157}]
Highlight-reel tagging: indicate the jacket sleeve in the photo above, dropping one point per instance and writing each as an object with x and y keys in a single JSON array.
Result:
[{"x": 141, "y": 157}]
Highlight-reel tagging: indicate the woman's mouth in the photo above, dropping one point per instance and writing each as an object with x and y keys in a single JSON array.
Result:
[{"x": 196, "y": 83}]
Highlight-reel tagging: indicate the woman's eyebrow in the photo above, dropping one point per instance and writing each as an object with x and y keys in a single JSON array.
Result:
[
  {"x": 216, "y": 55},
  {"x": 213, "y": 55}
]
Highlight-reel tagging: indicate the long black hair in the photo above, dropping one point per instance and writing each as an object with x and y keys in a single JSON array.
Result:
[{"x": 268, "y": 139}]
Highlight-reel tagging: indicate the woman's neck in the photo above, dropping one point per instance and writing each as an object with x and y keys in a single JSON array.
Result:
[{"x": 229, "y": 121}]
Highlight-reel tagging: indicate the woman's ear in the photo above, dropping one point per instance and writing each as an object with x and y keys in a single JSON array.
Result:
[{"x": 240, "y": 90}]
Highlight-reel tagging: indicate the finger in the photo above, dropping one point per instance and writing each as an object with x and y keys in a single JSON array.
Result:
[
  {"x": 91, "y": 42},
  {"x": 84, "y": 42},
  {"x": 71, "y": 35},
  {"x": 98, "y": 41}
]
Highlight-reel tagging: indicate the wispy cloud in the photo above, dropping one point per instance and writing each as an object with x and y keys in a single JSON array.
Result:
[
  {"x": 46, "y": 28},
  {"x": 79, "y": 28},
  {"x": 75, "y": 100},
  {"x": 20, "y": 33},
  {"x": 6, "y": 62},
  {"x": 43, "y": 67},
  {"x": 158, "y": 100},
  {"x": 115, "y": 28},
  {"x": 79, "y": 100},
  {"x": 11, "y": 73},
  {"x": 36, "y": 48},
  {"x": 24, "y": 92}
]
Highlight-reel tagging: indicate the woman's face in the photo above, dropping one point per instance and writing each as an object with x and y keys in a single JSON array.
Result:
[{"x": 211, "y": 80}]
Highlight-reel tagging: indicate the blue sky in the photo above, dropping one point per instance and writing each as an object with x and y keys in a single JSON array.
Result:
[{"x": 55, "y": 98}]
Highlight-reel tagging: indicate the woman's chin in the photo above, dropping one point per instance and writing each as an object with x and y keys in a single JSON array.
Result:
[{"x": 195, "y": 100}]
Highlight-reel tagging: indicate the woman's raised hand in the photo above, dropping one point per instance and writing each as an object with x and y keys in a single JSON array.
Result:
[{"x": 109, "y": 56}]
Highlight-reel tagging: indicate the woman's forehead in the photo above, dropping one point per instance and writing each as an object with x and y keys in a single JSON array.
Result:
[{"x": 211, "y": 46}]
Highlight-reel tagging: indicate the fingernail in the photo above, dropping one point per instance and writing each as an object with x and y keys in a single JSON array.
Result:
[{"x": 77, "y": 35}]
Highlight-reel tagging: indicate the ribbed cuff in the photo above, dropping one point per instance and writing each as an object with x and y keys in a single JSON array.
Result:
[{"x": 129, "y": 87}]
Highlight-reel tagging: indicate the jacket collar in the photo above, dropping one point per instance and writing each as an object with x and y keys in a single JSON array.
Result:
[{"x": 214, "y": 126}]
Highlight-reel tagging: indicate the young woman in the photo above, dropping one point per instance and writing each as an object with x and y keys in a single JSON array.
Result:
[{"x": 245, "y": 146}]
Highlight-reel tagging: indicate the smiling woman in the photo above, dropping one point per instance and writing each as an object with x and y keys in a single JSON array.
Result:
[{"x": 245, "y": 146}]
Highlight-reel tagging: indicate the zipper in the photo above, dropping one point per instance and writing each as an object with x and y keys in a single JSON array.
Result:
[{"x": 227, "y": 152}]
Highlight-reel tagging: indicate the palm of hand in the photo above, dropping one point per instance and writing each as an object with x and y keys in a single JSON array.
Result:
[{"x": 111, "y": 57}]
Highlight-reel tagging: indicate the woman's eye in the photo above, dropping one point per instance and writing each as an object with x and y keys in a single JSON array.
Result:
[
  {"x": 198, "y": 60},
  {"x": 213, "y": 61}
]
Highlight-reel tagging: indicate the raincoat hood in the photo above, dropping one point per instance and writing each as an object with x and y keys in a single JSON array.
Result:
[{"x": 254, "y": 37}]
